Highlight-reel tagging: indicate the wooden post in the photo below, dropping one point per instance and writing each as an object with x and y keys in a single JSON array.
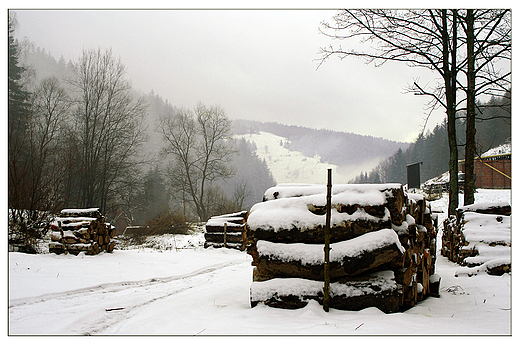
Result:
[
  {"x": 61, "y": 229},
  {"x": 225, "y": 234},
  {"x": 326, "y": 277}
]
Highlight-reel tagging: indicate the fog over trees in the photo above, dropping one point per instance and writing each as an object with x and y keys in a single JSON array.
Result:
[
  {"x": 200, "y": 143},
  {"x": 80, "y": 136}
]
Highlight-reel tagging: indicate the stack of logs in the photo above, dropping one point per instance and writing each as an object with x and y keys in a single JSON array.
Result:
[
  {"x": 382, "y": 254},
  {"x": 228, "y": 230},
  {"x": 489, "y": 231},
  {"x": 81, "y": 230}
]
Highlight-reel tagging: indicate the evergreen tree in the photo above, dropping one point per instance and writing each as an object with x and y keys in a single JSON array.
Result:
[
  {"x": 154, "y": 198},
  {"x": 18, "y": 97},
  {"x": 493, "y": 129},
  {"x": 493, "y": 123},
  {"x": 18, "y": 119},
  {"x": 23, "y": 217}
]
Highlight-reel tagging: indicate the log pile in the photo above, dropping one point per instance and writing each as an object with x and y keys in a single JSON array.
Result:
[
  {"x": 227, "y": 230},
  {"x": 382, "y": 247},
  {"x": 479, "y": 235},
  {"x": 81, "y": 230}
]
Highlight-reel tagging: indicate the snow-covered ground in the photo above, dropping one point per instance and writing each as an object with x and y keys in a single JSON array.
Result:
[{"x": 184, "y": 289}]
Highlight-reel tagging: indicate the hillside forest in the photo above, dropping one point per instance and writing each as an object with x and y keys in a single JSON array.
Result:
[{"x": 493, "y": 128}]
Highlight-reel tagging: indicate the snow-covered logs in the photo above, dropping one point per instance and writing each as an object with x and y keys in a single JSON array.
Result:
[
  {"x": 479, "y": 237},
  {"x": 227, "y": 230},
  {"x": 81, "y": 230},
  {"x": 382, "y": 247}
]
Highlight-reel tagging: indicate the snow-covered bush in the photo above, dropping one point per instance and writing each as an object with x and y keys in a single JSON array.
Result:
[{"x": 26, "y": 229}]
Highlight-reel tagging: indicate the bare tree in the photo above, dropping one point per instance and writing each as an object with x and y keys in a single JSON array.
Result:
[
  {"x": 488, "y": 40},
  {"x": 50, "y": 107},
  {"x": 109, "y": 126},
  {"x": 241, "y": 193},
  {"x": 419, "y": 38},
  {"x": 429, "y": 39},
  {"x": 43, "y": 168},
  {"x": 199, "y": 143}
]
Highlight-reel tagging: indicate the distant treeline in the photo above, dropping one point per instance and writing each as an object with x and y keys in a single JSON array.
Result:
[{"x": 431, "y": 148}]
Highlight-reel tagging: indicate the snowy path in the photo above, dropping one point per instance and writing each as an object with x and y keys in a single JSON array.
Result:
[{"x": 92, "y": 310}]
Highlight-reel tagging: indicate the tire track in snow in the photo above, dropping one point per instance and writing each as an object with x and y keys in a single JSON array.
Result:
[
  {"x": 99, "y": 324},
  {"x": 95, "y": 324},
  {"x": 119, "y": 286},
  {"x": 87, "y": 311}
]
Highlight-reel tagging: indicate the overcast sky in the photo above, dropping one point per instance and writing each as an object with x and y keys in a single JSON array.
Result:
[{"x": 256, "y": 64}]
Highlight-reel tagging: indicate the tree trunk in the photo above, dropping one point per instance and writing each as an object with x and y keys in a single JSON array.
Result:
[
  {"x": 450, "y": 76},
  {"x": 326, "y": 267},
  {"x": 469, "y": 162}
]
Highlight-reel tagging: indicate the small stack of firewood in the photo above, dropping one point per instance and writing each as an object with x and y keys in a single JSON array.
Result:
[
  {"x": 479, "y": 234},
  {"x": 228, "y": 230},
  {"x": 420, "y": 240},
  {"x": 81, "y": 230},
  {"x": 382, "y": 247},
  {"x": 452, "y": 238}
]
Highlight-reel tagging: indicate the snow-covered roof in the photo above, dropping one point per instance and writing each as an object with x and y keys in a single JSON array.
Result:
[
  {"x": 502, "y": 149},
  {"x": 444, "y": 178}
]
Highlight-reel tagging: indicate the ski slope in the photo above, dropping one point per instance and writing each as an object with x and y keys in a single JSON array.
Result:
[{"x": 286, "y": 165}]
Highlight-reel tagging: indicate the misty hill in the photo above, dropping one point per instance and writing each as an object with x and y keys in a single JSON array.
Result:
[
  {"x": 350, "y": 153},
  {"x": 285, "y": 165}
]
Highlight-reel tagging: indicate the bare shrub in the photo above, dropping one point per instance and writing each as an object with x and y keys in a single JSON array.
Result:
[{"x": 168, "y": 223}]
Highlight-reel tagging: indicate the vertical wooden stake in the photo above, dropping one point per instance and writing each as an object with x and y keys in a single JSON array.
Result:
[
  {"x": 326, "y": 277},
  {"x": 225, "y": 234},
  {"x": 61, "y": 229}
]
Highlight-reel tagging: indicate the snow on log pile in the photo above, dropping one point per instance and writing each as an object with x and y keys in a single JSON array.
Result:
[
  {"x": 81, "y": 230},
  {"x": 227, "y": 230},
  {"x": 479, "y": 237},
  {"x": 382, "y": 247}
]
